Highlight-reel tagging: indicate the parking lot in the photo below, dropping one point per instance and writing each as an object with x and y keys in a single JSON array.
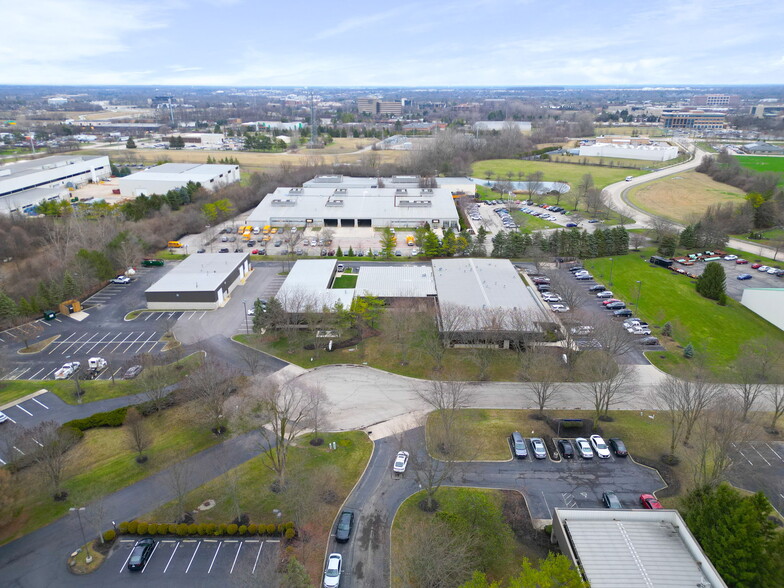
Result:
[
  {"x": 759, "y": 466},
  {"x": 196, "y": 561},
  {"x": 732, "y": 269}
]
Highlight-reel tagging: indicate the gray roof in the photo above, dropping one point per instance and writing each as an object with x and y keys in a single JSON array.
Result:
[
  {"x": 182, "y": 172},
  {"x": 32, "y": 166},
  {"x": 636, "y": 549},
  {"x": 200, "y": 272},
  {"x": 307, "y": 287},
  {"x": 396, "y": 281}
]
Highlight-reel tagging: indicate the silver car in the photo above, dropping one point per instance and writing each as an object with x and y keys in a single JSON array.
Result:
[
  {"x": 540, "y": 451},
  {"x": 583, "y": 448}
]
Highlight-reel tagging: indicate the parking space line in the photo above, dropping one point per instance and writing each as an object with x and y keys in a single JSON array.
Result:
[
  {"x": 36, "y": 373},
  {"x": 126, "y": 560},
  {"x": 20, "y": 407},
  {"x": 37, "y": 442},
  {"x": 121, "y": 342},
  {"x": 78, "y": 339},
  {"x": 214, "y": 557},
  {"x": 19, "y": 450},
  {"x": 98, "y": 343},
  {"x": 10, "y": 419},
  {"x": 546, "y": 504},
  {"x": 1, "y": 460},
  {"x": 132, "y": 343},
  {"x": 149, "y": 559},
  {"x": 774, "y": 451},
  {"x": 202, "y": 315},
  {"x": 171, "y": 558},
  {"x": 744, "y": 455},
  {"x": 193, "y": 556},
  {"x": 231, "y": 571},
  {"x": 57, "y": 344},
  {"x": 150, "y": 315},
  {"x": 145, "y": 342},
  {"x": 39, "y": 402},
  {"x": 108, "y": 343},
  {"x": 758, "y": 453},
  {"x": 50, "y": 374},
  {"x": 257, "y": 558}
]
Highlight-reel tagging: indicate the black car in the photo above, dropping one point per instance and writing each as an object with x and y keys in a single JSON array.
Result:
[
  {"x": 597, "y": 288},
  {"x": 611, "y": 500},
  {"x": 543, "y": 287},
  {"x": 345, "y": 526},
  {"x": 566, "y": 449},
  {"x": 141, "y": 553},
  {"x": 577, "y": 268},
  {"x": 617, "y": 446},
  {"x": 623, "y": 312},
  {"x": 223, "y": 250},
  {"x": 615, "y": 305}
]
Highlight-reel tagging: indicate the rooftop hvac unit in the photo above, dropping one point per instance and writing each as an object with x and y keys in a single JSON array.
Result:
[
  {"x": 287, "y": 202},
  {"x": 401, "y": 192},
  {"x": 334, "y": 179},
  {"x": 296, "y": 191},
  {"x": 340, "y": 191},
  {"x": 334, "y": 203},
  {"x": 417, "y": 203},
  {"x": 405, "y": 179},
  {"x": 426, "y": 191}
]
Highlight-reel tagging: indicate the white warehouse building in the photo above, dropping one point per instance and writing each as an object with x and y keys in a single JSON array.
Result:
[
  {"x": 330, "y": 204},
  {"x": 26, "y": 183},
  {"x": 171, "y": 176},
  {"x": 651, "y": 152}
]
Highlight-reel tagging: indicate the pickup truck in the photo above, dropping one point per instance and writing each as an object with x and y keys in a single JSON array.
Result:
[
  {"x": 95, "y": 365},
  {"x": 68, "y": 370}
]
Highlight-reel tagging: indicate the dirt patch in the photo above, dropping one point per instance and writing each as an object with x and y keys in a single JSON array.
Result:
[
  {"x": 536, "y": 543},
  {"x": 683, "y": 197}
]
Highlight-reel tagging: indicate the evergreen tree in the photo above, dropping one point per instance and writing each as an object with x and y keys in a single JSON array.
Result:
[
  {"x": 448, "y": 245},
  {"x": 432, "y": 246},
  {"x": 70, "y": 287},
  {"x": 339, "y": 252},
  {"x": 667, "y": 245},
  {"x": 712, "y": 282},
  {"x": 130, "y": 144},
  {"x": 688, "y": 351},
  {"x": 499, "y": 244},
  {"x": 350, "y": 251},
  {"x": 8, "y": 308},
  {"x": 387, "y": 242},
  {"x": 688, "y": 238}
]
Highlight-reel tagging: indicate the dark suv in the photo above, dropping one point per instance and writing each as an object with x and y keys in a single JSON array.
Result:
[
  {"x": 141, "y": 553},
  {"x": 345, "y": 526},
  {"x": 566, "y": 449}
]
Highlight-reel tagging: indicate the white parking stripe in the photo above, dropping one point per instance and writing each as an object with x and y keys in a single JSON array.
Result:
[
  {"x": 202, "y": 315},
  {"x": 49, "y": 375},
  {"x": 121, "y": 342},
  {"x": 150, "y": 558},
  {"x": 78, "y": 340},
  {"x": 36, "y": 374},
  {"x": 171, "y": 558},
  {"x": 744, "y": 455},
  {"x": 20, "y": 374},
  {"x": 19, "y": 450},
  {"x": 131, "y": 344},
  {"x": 109, "y": 343},
  {"x": 98, "y": 343},
  {"x": 758, "y": 453},
  {"x": 1, "y": 461},
  {"x": 20, "y": 407},
  {"x": 117, "y": 372},
  {"x": 37, "y": 442},
  {"x": 58, "y": 343},
  {"x": 39, "y": 402},
  {"x": 150, "y": 315},
  {"x": 774, "y": 451},
  {"x": 235, "y": 558},
  {"x": 214, "y": 557},
  {"x": 192, "y": 557},
  {"x": 10, "y": 419},
  {"x": 257, "y": 558},
  {"x": 126, "y": 561}
]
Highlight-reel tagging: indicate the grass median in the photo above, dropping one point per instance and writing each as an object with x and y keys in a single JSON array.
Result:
[{"x": 570, "y": 173}]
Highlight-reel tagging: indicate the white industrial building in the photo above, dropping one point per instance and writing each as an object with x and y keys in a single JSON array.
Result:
[
  {"x": 307, "y": 288},
  {"x": 766, "y": 302},
  {"x": 655, "y": 151},
  {"x": 335, "y": 201},
  {"x": 396, "y": 281},
  {"x": 500, "y": 125},
  {"x": 616, "y": 548},
  {"x": 171, "y": 176},
  {"x": 26, "y": 183}
]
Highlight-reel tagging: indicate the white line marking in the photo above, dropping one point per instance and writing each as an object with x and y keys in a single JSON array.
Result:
[
  {"x": 273, "y": 540},
  {"x": 150, "y": 558},
  {"x": 56, "y": 346},
  {"x": 774, "y": 451},
  {"x": 743, "y": 454},
  {"x": 132, "y": 343},
  {"x": 190, "y": 316},
  {"x": 171, "y": 558},
  {"x": 257, "y": 558},
  {"x": 98, "y": 343},
  {"x": 39, "y": 402},
  {"x": 20, "y": 407},
  {"x": 19, "y": 450},
  {"x": 214, "y": 557},
  {"x": 1, "y": 459},
  {"x": 20, "y": 374},
  {"x": 10, "y": 419},
  {"x": 149, "y": 316},
  {"x": 231, "y": 571},
  {"x": 37, "y": 442},
  {"x": 546, "y": 504},
  {"x": 194, "y": 555},
  {"x": 130, "y": 553},
  {"x": 117, "y": 372},
  {"x": 758, "y": 453},
  {"x": 36, "y": 373},
  {"x": 202, "y": 315},
  {"x": 78, "y": 340},
  {"x": 121, "y": 342}
]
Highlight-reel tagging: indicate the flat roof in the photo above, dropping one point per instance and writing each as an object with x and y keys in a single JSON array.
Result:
[
  {"x": 307, "y": 287},
  {"x": 634, "y": 548},
  {"x": 484, "y": 284},
  {"x": 399, "y": 281},
  {"x": 22, "y": 168},
  {"x": 335, "y": 201},
  {"x": 179, "y": 172},
  {"x": 199, "y": 272}
]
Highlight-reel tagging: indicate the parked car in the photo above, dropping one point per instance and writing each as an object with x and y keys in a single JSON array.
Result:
[
  {"x": 638, "y": 330},
  {"x": 565, "y": 448},
  {"x": 223, "y": 250},
  {"x": 610, "y": 500},
  {"x": 201, "y": 250},
  {"x": 741, "y": 261},
  {"x": 584, "y": 277},
  {"x": 543, "y": 287},
  {"x": 576, "y": 268},
  {"x": 623, "y": 312},
  {"x": 121, "y": 280},
  {"x": 550, "y": 297},
  {"x": 141, "y": 553},
  {"x": 649, "y": 341},
  {"x": 345, "y": 526},
  {"x": 616, "y": 305},
  {"x": 559, "y": 308},
  {"x": 401, "y": 461},
  {"x": 540, "y": 451},
  {"x": 744, "y": 276},
  {"x": 605, "y": 294},
  {"x": 730, "y": 257},
  {"x": 756, "y": 265},
  {"x": 650, "y": 501},
  {"x": 571, "y": 224},
  {"x": 593, "y": 220},
  {"x": 617, "y": 446},
  {"x": 600, "y": 446},
  {"x": 762, "y": 268},
  {"x": 583, "y": 447},
  {"x": 773, "y": 271},
  {"x": 132, "y": 372},
  {"x": 333, "y": 571},
  {"x": 517, "y": 442},
  {"x": 597, "y": 288}
]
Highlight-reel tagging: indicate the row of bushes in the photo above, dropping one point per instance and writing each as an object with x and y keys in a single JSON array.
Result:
[
  {"x": 286, "y": 530},
  {"x": 112, "y": 418}
]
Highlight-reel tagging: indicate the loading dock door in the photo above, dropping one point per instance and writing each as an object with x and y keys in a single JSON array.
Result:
[
  {"x": 347, "y": 222},
  {"x": 330, "y": 222},
  {"x": 364, "y": 222}
]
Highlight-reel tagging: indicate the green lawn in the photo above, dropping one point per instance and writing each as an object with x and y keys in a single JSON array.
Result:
[
  {"x": 94, "y": 390},
  {"x": 641, "y": 164},
  {"x": 349, "y": 281},
  {"x": 714, "y": 331},
  {"x": 530, "y": 223},
  {"x": 570, "y": 173},
  {"x": 102, "y": 463},
  {"x": 767, "y": 163}
]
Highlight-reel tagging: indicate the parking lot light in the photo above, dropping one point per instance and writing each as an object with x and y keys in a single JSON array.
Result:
[
  {"x": 639, "y": 289},
  {"x": 89, "y": 557},
  {"x": 612, "y": 263},
  {"x": 245, "y": 306}
]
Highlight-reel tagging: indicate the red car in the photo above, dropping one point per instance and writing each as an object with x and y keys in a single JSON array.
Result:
[
  {"x": 606, "y": 302},
  {"x": 650, "y": 501},
  {"x": 741, "y": 261},
  {"x": 756, "y": 265}
]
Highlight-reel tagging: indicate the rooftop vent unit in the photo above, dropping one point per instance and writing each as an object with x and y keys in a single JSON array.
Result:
[
  {"x": 333, "y": 179},
  {"x": 426, "y": 191},
  {"x": 416, "y": 203},
  {"x": 405, "y": 179},
  {"x": 334, "y": 203},
  {"x": 286, "y": 202},
  {"x": 340, "y": 191},
  {"x": 296, "y": 191},
  {"x": 401, "y": 192}
]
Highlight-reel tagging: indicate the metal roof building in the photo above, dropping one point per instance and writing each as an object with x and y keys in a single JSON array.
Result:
[
  {"x": 398, "y": 281},
  {"x": 171, "y": 176},
  {"x": 765, "y": 302},
  {"x": 307, "y": 287},
  {"x": 202, "y": 281},
  {"x": 633, "y": 549}
]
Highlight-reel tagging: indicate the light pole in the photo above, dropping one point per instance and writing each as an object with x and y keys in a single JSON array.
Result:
[
  {"x": 612, "y": 263},
  {"x": 245, "y": 305},
  {"x": 639, "y": 289},
  {"x": 89, "y": 557}
]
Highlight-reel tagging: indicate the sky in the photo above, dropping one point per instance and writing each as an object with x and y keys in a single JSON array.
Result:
[{"x": 365, "y": 43}]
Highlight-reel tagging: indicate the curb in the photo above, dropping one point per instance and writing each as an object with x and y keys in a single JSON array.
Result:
[{"x": 23, "y": 399}]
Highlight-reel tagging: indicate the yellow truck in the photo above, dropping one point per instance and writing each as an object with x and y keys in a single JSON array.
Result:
[
  {"x": 266, "y": 230},
  {"x": 174, "y": 244},
  {"x": 410, "y": 240}
]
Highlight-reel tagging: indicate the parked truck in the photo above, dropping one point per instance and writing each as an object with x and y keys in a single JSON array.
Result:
[
  {"x": 68, "y": 370},
  {"x": 95, "y": 365},
  {"x": 410, "y": 240}
]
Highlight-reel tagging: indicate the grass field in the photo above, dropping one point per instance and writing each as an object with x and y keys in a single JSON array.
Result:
[
  {"x": 767, "y": 163},
  {"x": 619, "y": 162},
  {"x": 684, "y": 197},
  {"x": 102, "y": 463},
  {"x": 335, "y": 472},
  {"x": 553, "y": 172},
  {"x": 530, "y": 223},
  {"x": 716, "y": 332}
]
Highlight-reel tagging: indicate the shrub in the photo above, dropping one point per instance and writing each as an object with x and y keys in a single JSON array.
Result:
[
  {"x": 253, "y": 529},
  {"x": 210, "y": 528},
  {"x": 202, "y": 529},
  {"x": 667, "y": 329},
  {"x": 112, "y": 418},
  {"x": 231, "y": 529},
  {"x": 242, "y": 530},
  {"x": 271, "y": 529},
  {"x": 141, "y": 528},
  {"x": 289, "y": 534},
  {"x": 688, "y": 351},
  {"x": 182, "y": 529},
  {"x": 572, "y": 424},
  {"x": 221, "y": 529},
  {"x": 289, "y": 525},
  {"x": 123, "y": 527},
  {"x": 109, "y": 535},
  {"x": 172, "y": 529},
  {"x": 132, "y": 527},
  {"x": 152, "y": 528}
]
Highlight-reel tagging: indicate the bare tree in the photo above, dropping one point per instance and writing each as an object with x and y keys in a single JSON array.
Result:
[
  {"x": 775, "y": 394},
  {"x": 569, "y": 290},
  {"x": 586, "y": 183},
  {"x": 542, "y": 373},
  {"x": 211, "y": 385},
  {"x": 178, "y": 479},
  {"x": 95, "y": 516},
  {"x": 611, "y": 337},
  {"x": 534, "y": 183},
  {"x": 593, "y": 201},
  {"x": 636, "y": 240},
  {"x": 660, "y": 227},
  {"x": 250, "y": 357},
  {"x": 288, "y": 409},
  {"x": 320, "y": 407},
  {"x": 154, "y": 384},
  {"x": 431, "y": 473},
  {"x": 757, "y": 365},
  {"x": 606, "y": 382},
  {"x": 51, "y": 456},
  {"x": 667, "y": 397},
  {"x": 446, "y": 398},
  {"x": 138, "y": 435}
]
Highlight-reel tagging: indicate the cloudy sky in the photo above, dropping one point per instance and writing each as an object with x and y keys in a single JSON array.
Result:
[{"x": 406, "y": 43}]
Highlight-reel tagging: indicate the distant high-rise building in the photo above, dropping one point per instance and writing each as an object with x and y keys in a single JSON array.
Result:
[
  {"x": 688, "y": 118},
  {"x": 375, "y": 106},
  {"x": 716, "y": 100}
]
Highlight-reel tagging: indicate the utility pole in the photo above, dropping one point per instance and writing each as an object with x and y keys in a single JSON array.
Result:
[{"x": 89, "y": 557}]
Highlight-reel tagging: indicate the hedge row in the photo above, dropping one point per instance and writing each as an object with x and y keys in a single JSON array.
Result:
[
  {"x": 286, "y": 530},
  {"x": 112, "y": 418}
]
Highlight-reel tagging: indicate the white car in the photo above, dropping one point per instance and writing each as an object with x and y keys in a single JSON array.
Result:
[
  {"x": 600, "y": 446},
  {"x": 333, "y": 571},
  {"x": 629, "y": 178},
  {"x": 121, "y": 280},
  {"x": 773, "y": 271},
  {"x": 763, "y": 268},
  {"x": 550, "y": 297},
  {"x": 730, "y": 257},
  {"x": 583, "y": 448},
  {"x": 605, "y": 294},
  {"x": 559, "y": 308},
  {"x": 639, "y": 330},
  {"x": 581, "y": 330},
  {"x": 401, "y": 461}
]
